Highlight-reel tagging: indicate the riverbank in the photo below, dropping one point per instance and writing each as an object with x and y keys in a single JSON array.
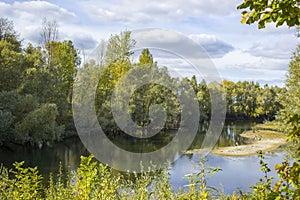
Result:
[
  {"x": 259, "y": 139},
  {"x": 262, "y": 140}
]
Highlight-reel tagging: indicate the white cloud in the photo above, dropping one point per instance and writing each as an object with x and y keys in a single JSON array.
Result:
[
  {"x": 84, "y": 41},
  {"x": 31, "y": 10},
  {"x": 238, "y": 65},
  {"x": 176, "y": 51},
  {"x": 279, "y": 48},
  {"x": 170, "y": 41},
  {"x": 240, "y": 60},
  {"x": 197, "y": 47},
  {"x": 136, "y": 11},
  {"x": 239, "y": 51},
  {"x": 27, "y": 17},
  {"x": 213, "y": 45}
]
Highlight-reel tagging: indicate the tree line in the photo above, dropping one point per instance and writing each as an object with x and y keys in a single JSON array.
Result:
[
  {"x": 245, "y": 100},
  {"x": 36, "y": 85}
]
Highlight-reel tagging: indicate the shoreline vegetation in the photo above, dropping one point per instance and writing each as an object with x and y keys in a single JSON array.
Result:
[
  {"x": 36, "y": 109},
  {"x": 94, "y": 180},
  {"x": 262, "y": 137}
]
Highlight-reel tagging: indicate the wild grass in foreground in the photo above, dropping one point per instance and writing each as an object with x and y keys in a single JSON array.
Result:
[{"x": 94, "y": 180}]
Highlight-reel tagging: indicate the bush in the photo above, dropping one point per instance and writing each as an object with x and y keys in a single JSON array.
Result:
[{"x": 94, "y": 180}]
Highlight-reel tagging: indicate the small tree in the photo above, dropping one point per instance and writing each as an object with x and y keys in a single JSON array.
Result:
[{"x": 146, "y": 57}]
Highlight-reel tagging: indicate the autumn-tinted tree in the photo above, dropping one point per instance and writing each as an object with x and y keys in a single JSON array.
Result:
[
  {"x": 117, "y": 63},
  {"x": 146, "y": 58}
]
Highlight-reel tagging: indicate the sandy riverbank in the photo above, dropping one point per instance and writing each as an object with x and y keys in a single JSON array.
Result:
[{"x": 260, "y": 140}]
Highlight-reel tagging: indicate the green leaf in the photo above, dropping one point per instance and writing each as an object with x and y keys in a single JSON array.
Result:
[
  {"x": 265, "y": 16},
  {"x": 261, "y": 24}
]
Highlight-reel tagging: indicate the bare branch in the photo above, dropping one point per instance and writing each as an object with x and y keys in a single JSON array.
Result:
[{"x": 49, "y": 31}]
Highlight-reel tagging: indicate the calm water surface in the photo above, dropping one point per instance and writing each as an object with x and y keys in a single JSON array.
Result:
[{"x": 237, "y": 172}]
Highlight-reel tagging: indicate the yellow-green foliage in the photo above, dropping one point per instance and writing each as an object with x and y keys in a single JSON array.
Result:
[
  {"x": 25, "y": 184},
  {"x": 93, "y": 180}
]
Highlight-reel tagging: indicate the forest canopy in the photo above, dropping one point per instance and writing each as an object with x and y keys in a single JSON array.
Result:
[{"x": 36, "y": 84}]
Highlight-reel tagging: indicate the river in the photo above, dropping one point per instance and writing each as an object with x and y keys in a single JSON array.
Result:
[{"x": 237, "y": 172}]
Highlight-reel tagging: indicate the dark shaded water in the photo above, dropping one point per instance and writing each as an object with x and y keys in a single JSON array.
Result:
[{"x": 237, "y": 172}]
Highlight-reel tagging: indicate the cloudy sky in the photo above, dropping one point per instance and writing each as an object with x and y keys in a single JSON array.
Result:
[{"x": 239, "y": 52}]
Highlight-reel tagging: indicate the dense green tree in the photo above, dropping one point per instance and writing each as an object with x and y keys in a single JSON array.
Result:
[
  {"x": 268, "y": 101},
  {"x": 244, "y": 99},
  {"x": 290, "y": 114},
  {"x": 29, "y": 80},
  {"x": 203, "y": 96},
  {"x": 265, "y": 11},
  {"x": 40, "y": 126},
  {"x": 155, "y": 94},
  {"x": 145, "y": 96},
  {"x": 64, "y": 60},
  {"x": 34, "y": 57},
  {"x": 11, "y": 67},
  {"x": 6, "y": 131},
  {"x": 229, "y": 90}
]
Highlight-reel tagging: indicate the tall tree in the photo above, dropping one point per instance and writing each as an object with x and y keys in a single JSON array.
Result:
[
  {"x": 65, "y": 61},
  {"x": 119, "y": 47},
  {"x": 203, "y": 97},
  {"x": 290, "y": 114},
  {"x": 49, "y": 35},
  {"x": 117, "y": 63},
  {"x": 11, "y": 66},
  {"x": 229, "y": 89}
]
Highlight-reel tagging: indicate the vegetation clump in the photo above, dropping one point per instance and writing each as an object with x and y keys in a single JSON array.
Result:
[{"x": 93, "y": 180}]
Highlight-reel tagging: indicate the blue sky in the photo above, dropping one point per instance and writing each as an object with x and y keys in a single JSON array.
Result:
[{"x": 239, "y": 52}]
